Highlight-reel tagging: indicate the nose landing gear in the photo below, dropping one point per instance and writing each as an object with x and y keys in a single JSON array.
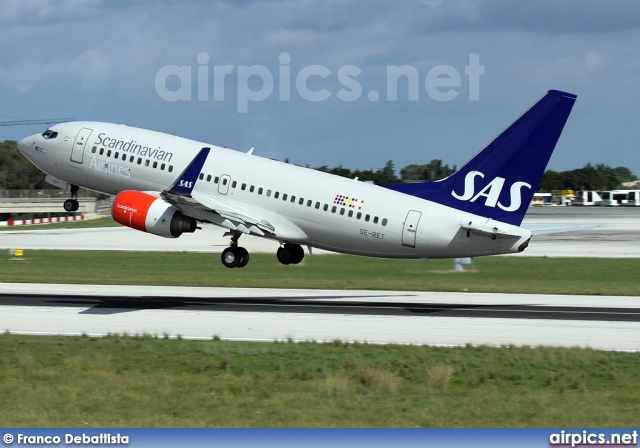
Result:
[{"x": 72, "y": 205}]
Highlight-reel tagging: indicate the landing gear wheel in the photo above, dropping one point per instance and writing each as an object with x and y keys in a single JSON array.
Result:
[
  {"x": 244, "y": 254},
  {"x": 290, "y": 254},
  {"x": 230, "y": 257},
  {"x": 284, "y": 255},
  {"x": 297, "y": 253},
  {"x": 71, "y": 205},
  {"x": 235, "y": 257}
]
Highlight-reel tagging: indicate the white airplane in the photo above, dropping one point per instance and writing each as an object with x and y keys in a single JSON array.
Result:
[{"x": 166, "y": 185}]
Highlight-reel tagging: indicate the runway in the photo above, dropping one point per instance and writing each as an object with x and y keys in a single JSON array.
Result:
[
  {"x": 446, "y": 319},
  {"x": 620, "y": 240},
  {"x": 441, "y": 319}
]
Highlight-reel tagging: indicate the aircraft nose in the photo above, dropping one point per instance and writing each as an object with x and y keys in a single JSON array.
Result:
[{"x": 25, "y": 144}]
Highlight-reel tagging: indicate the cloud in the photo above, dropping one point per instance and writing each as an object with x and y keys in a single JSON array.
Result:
[
  {"x": 562, "y": 69},
  {"x": 98, "y": 59},
  {"x": 35, "y": 12},
  {"x": 542, "y": 16}
]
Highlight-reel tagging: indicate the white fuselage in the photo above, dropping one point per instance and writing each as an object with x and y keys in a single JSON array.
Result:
[{"x": 304, "y": 206}]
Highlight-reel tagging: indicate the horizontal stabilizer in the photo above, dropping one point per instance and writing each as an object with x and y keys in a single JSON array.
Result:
[
  {"x": 551, "y": 228},
  {"x": 490, "y": 230}
]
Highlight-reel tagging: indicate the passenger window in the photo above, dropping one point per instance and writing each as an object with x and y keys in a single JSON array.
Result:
[
  {"x": 155, "y": 164},
  {"x": 293, "y": 199},
  {"x": 359, "y": 215},
  {"x": 375, "y": 220},
  {"x": 146, "y": 162},
  {"x": 276, "y": 195},
  {"x": 309, "y": 202},
  {"x": 317, "y": 205},
  {"x": 170, "y": 168},
  {"x": 333, "y": 209},
  {"x": 131, "y": 159},
  {"x": 216, "y": 180},
  {"x": 209, "y": 178},
  {"x": 366, "y": 218},
  {"x": 260, "y": 190},
  {"x": 162, "y": 167},
  {"x": 301, "y": 201},
  {"x": 109, "y": 153},
  {"x": 350, "y": 213},
  {"x": 233, "y": 184},
  {"x": 139, "y": 160},
  {"x": 116, "y": 155},
  {"x": 268, "y": 193},
  {"x": 101, "y": 151},
  {"x": 384, "y": 221},
  {"x": 201, "y": 176},
  {"x": 224, "y": 181},
  {"x": 284, "y": 197},
  {"x": 94, "y": 149},
  {"x": 252, "y": 188},
  {"x": 244, "y": 187},
  {"x": 341, "y": 211},
  {"x": 325, "y": 208}
]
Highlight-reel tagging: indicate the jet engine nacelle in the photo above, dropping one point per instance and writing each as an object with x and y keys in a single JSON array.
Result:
[{"x": 145, "y": 212}]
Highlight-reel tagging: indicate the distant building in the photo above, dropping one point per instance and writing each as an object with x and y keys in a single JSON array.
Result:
[
  {"x": 633, "y": 185},
  {"x": 541, "y": 199}
]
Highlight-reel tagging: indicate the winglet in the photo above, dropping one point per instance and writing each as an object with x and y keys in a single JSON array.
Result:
[{"x": 183, "y": 186}]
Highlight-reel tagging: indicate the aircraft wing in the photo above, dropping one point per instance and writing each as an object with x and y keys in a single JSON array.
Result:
[{"x": 207, "y": 208}]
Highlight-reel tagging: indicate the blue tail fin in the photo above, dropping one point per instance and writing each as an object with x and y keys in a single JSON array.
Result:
[{"x": 500, "y": 180}]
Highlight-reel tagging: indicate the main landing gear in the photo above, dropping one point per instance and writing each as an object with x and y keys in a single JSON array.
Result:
[
  {"x": 234, "y": 256},
  {"x": 238, "y": 257},
  {"x": 72, "y": 205},
  {"x": 290, "y": 253}
]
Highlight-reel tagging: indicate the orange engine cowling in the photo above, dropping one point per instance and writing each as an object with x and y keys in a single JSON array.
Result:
[{"x": 145, "y": 212}]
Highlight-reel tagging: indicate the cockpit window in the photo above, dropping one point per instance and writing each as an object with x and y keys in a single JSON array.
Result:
[{"x": 49, "y": 134}]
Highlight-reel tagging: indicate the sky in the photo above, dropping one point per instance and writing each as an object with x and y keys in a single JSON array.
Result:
[{"x": 351, "y": 83}]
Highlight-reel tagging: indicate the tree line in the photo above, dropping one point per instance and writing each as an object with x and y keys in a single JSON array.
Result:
[
  {"x": 431, "y": 171},
  {"x": 589, "y": 177},
  {"x": 17, "y": 173}
]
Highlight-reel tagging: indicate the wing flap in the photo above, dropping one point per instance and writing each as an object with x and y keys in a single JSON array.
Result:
[{"x": 241, "y": 221}]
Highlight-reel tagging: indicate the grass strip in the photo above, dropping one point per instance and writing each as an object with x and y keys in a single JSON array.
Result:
[
  {"x": 493, "y": 274},
  {"x": 86, "y": 224},
  {"x": 125, "y": 381}
]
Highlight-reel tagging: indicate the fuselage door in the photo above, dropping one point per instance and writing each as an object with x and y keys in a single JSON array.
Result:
[
  {"x": 223, "y": 186},
  {"x": 77, "y": 151},
  {"x": 410, "y": 228}
]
